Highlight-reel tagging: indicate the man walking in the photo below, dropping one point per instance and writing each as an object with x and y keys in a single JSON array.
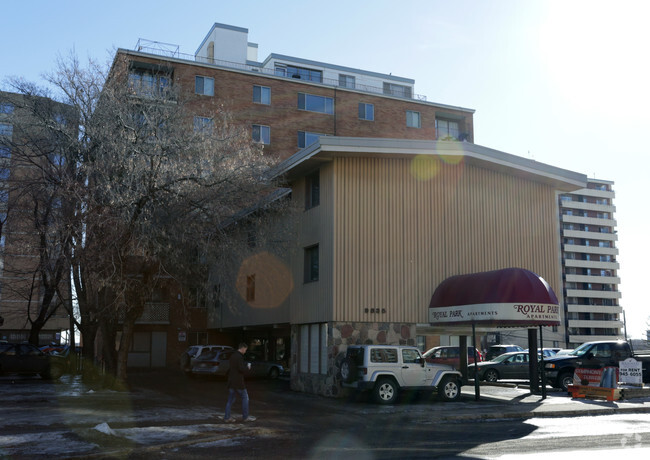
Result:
[{"x": 238, "y": 368}]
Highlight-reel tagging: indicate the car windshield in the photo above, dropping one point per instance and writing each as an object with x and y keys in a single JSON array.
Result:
[
  {"x": 501, "y": 358},
  {"x": 581, "y": 350}
]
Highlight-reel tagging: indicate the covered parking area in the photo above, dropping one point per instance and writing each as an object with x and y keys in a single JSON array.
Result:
[{"x": 465, "y": 305}]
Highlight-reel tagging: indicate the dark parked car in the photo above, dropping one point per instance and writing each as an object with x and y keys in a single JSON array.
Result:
[
  {"x": 189, "y": 356},
  {"x": 25, "y": 358},
  {"x": 512, "y": 365},
  {"x": 218, "y": 362},
  {"x": 450, "y": 355},
  {"x": 496, "y": 350}
]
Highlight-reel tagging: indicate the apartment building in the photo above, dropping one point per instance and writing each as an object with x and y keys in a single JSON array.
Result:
[
  {"x": 286, "y": 103},
  {"x": 395, "y": 197},
  {"x": 21, "y": 287},
  {"x": 590, "y": 268}
]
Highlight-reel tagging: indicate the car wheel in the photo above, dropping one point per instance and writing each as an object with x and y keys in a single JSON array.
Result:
[
  {"x": 386, "y": 391},
  {"x": 449, "y": 389},
  {"x": 274, "y": 373},
  {"x": 564, "y": 380},
  {"x": 491, "y": 375},
  {"x": 348, "y": 370}
]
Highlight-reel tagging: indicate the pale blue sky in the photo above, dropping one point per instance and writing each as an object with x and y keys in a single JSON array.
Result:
[{"x": 561, "y": 82}]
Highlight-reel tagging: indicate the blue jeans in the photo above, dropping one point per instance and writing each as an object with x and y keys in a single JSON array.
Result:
[{"x": 232, "y": 394}]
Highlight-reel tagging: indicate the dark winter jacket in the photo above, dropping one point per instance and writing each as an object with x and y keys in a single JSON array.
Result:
[{"x": 238, "y": 368}]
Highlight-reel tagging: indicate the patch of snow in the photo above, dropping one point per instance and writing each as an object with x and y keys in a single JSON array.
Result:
[{"x": 104, "y": 428}]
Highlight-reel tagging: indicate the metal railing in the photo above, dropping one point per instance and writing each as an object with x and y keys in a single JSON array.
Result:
[{"x": 172, "y": 51}]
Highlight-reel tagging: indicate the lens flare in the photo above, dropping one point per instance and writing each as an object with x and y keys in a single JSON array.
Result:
[
  {"x": 425, "y": 167},
  {"x": 264, "y": 281}
]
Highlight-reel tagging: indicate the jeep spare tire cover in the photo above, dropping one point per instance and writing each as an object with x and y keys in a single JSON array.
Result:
[{"x": 348, "y": 370}]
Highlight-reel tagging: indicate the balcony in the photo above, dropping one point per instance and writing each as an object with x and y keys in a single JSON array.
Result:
[
  {"x": 172, "y": 51},
  {"x": 593, "y": 293},
  {"x": 154, "y": 313},
  {"x": 588, "y": 206},
  {"x": 594, "y": 279},
  {"x": 609, "y": 309},
  {"x": 578, "y": 263},
  {"x": 595, "y": 324}
]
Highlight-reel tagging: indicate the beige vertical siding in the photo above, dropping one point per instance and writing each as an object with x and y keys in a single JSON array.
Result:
[
  {"x": 312, "y": 302},
  {"x": 397, "y": 237}
]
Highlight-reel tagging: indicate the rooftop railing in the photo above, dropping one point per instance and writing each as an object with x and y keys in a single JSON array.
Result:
[{"x": 172, "y": 51}]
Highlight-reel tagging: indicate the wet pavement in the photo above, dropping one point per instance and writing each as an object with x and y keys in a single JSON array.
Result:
[{"x": 164, "y": 411}]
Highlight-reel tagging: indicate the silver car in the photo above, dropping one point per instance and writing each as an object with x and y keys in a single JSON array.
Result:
[{"x": 218, "y": 362}]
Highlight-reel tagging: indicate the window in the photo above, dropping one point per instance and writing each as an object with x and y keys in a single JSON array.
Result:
[
  {"x": 6, "y": 129},
  {"x": 312, "y": 190},
  {"x": 262, "y": 134},
  {"x": 262, "y": 94},
  {"x": 397, "y": 90},
  {"x": 412, "y": 119},
  {"x": 300, "y": 73},
  {"x": 144, "y": 82},
  {"x": 5, "y": 152},
  {"x": 347, "y": 81},
  {"x": 4, "y": 173},
  {"x": 313, "y": 348},
  {"x": 204, "y": 85},
  {"x": 250, "y": 288},
  {"x": 446, "y": 129},
  {"x": 366, "y": 111},
  {"x": 383, "y": 355},
  {"x": 305, "y": 138},
  {"x": 410, "y": 356},
  {"x": 313, "y": 103},
  {"x": 311, "y": 264},
  {"x": 7, "y": 108},
  {"x": 202, "y": 125}
]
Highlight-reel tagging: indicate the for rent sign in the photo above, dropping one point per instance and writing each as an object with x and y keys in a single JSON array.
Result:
[
  {"x": 526, "y": 313},
  {"x": 630, "y": 372}
]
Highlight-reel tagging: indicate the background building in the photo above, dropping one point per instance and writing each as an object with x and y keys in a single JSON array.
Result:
[
  {"x": 21, "y": 287},
  {"x": 591, "y": 294}
]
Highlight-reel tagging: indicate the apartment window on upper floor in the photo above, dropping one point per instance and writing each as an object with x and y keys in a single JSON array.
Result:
[
  {"x": 262, "y": 95},
  {"x": 262, "y": 134},
  {"x": 314, "y": 103},
  {"x": 149, "y": 82},
  {"x": 204, "y": 85},
  {"x": 347, "y": 81},
  {"x": 203, "y": 125},
  {"x": 566, "y": 198},
  {"x": 447, "y": 130},
  {"x": 4, "y": 173},
  {"x": 6, "y": 129},
  {"x": 366, "y": 111},
  {"x": 412, "y": 119},
  {"x": 299, "y": 73},
  {"x": 312, "y": 190},
  {"x": 5, "y": 152},
  {"x": 250, "y": 288},
  {"x": 306, "y": 138},
  {"x": 397, "y": 90},
  {"x": 6, "y": 108},
  {"x": 311, "y": 264}
]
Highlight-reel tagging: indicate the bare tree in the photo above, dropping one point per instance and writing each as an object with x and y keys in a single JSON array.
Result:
[{"x": 146, "y": 193}]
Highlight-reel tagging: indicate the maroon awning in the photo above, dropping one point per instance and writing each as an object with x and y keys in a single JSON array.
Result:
[{"x": 511, "y": 297}]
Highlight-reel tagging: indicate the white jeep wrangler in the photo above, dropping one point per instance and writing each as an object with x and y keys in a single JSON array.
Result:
[{"x": 387, "y": 369}]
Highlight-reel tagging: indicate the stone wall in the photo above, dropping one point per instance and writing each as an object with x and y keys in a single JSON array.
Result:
[{"x": 339, "y": 336}]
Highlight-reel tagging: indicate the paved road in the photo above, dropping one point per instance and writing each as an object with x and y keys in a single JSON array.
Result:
[{"x": 166, "y": 415}]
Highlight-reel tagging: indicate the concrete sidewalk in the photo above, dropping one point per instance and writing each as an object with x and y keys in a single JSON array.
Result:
[{"x": 517, "y": 401}]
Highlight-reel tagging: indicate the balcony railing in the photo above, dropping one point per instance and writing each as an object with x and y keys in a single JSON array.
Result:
[
  {"x": 172, "y": 51},
  {"x": 153, "y": 313}
]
